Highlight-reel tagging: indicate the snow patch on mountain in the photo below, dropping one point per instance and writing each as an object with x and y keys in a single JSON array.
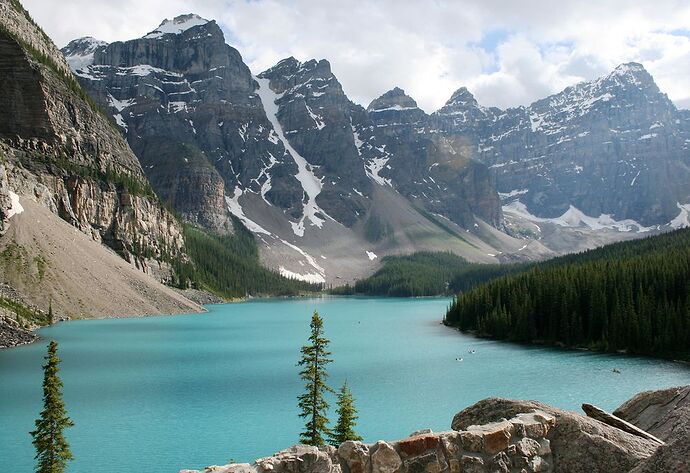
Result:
[
  {"x": 317, "y": 277},
  {"x": 16, "y": 207},
  {"x": 236, "y": 209},
  {"x": 79, "y": 52},
  {"x": 177, "y": 25},
  {"x": 120, "y": 105},
  {"x": 313, "y": 278},
  {"x": 683, "y": 218},
  {"x": 574, "y": 218},
  {"x": 305, "y": 175}
]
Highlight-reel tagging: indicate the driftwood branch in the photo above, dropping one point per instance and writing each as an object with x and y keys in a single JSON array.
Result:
[{"x": 601, "y": 415}]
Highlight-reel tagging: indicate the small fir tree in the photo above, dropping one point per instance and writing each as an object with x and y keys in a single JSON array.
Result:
[
  {"x": 347, "y": 418},
  {"x": 312, "y": 404},
  {"x": 52, "y": 449}
]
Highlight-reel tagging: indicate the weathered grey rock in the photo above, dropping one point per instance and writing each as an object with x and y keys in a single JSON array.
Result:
[
  {"x": 355, "y": 455},
  {"x": 670, "y": 458},
  {"x": 664, "y": 413},
  {"x": 577, "y": 443},
  {"x": 385, "y": 459}
]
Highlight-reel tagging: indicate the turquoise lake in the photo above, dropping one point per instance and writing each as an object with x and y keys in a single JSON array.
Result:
[{"x": 160, "y": 394}]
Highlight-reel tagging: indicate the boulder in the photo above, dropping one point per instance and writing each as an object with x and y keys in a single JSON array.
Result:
[
  {"x": 664, "y": 414},
  {"x": 577, "y": 443}
]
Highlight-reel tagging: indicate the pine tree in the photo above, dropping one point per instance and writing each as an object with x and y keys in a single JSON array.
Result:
[
  {"x": 347, "y": 418},
  {"x": 312, "y": 403},
  {"x": 52, "y": 449}
]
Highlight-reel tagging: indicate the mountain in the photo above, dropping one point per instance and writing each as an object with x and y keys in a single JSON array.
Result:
[
  {"x": 59, "y": 151},
  {"x": 614, "y": 147},
  {"x": 325, "y": 185}
]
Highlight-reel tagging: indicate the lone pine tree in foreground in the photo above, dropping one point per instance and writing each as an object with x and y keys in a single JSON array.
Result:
[
  {"x": 52, "y": 449},
  {"x": 313, "y": 403},
  {"x": 347, "y": 418}
]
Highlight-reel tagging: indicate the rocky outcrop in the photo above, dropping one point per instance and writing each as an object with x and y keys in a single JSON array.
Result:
[
  {"x": 664, "y": 414},
  {"x": 501, "y": 435},
  {"x": 12, "y": 334},
  {"x": 518, "y": 444},
  {"x": 578, "y": 443},
  {"x": 59, "y": 149}
]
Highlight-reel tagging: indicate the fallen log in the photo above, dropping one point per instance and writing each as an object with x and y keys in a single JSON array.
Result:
[{"x": 602, "y": 416}]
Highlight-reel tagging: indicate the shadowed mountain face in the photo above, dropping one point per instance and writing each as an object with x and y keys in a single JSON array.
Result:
[
  {"x": 205, "y": 129},
  {"x": 615, "y": 145}
]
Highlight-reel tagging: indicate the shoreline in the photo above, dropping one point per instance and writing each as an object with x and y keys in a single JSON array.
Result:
[{"x": 563, "y": 347}]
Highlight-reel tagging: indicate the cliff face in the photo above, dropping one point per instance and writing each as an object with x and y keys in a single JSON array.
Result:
[
  {"x": 58, "y": 149},
  {"x": 186, "y": 102},
  {"x": 435, "y": 171}
]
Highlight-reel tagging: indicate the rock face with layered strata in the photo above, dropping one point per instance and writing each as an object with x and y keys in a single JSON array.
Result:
[{"x": 61, "y": 151}]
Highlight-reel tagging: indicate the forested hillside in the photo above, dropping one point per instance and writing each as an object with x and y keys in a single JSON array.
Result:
[
  {"x": 229, "y": 266},
  {"x": 425, "y": 274},
  {"x": 632, "y": 296}
]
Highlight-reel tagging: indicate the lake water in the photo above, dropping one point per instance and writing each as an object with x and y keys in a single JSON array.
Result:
[{"x": 163, "y": 393}]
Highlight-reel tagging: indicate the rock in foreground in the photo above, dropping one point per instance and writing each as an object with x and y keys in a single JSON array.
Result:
[{"x": 506, "y": 436}]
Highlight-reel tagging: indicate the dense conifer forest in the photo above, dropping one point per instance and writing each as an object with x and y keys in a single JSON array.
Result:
[
  {"x": 229, "y": 266},
  {"x": 425, "y": 274},
  {"x": 632, "y": 296}
]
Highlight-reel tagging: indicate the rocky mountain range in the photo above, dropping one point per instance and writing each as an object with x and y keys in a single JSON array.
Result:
[
  {"x": 328, "y": 186},
  {"x": 615, "y": 146}
]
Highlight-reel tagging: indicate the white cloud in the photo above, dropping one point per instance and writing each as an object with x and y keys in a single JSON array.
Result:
[{"x": 427, "y": 48}]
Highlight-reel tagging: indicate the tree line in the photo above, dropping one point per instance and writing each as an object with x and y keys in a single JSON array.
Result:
[
  {"x": 632, "y": 296},
  {"x": 229, "y": 266},
  {"x": 425, "y": 274}
]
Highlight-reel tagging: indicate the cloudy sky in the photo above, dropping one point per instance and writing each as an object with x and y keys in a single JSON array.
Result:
[{"x": 506, "y": 52}]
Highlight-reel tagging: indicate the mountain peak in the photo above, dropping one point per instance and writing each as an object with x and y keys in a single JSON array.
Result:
[
  {"x": 461, "y": 97},
  {"x": 79, "y": 52},
  {"x": 631, "y": 72},
  {"x": 177, "y": 25},
  {"x": 394, "y": 99}
]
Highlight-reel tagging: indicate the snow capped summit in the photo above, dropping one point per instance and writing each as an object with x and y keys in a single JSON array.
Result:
[
  {"x": 177, "y": 25},
  {"x": 79, "y": 52}
]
